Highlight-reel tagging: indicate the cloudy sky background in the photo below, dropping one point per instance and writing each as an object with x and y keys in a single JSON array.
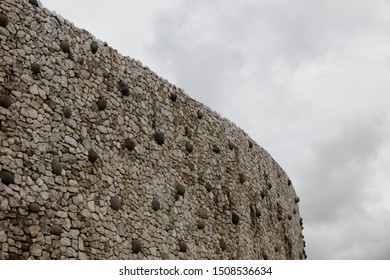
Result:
[{"x": 308, "y": 80}]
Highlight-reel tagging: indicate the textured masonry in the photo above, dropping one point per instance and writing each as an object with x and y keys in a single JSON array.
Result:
[{"x": 102, "y": 159}]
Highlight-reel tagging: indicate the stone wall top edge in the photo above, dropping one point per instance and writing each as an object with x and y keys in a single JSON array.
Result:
[{"x": 132, "y": 63}]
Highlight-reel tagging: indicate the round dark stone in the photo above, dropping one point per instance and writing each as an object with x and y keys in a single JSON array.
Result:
[
  {"x": 209, "y": 187},
  {"x": 235, "y": 218},
  {"x": 136, "y": 246},
  {"x": 94, "y": 47},
  {"x": 201, "y": 224},
  {"x": 258, "y": 212},
  {"x": 130, "y": 144},
  {"x": 3, "y": 20},
  {"x": 230, "y": 145},
  {"x": 34, "y": 207},
  {"x": 67, "y": 112},
  {"x": 102, "y": 103},
  {"x": 297, "y": 199},
  {"x": 35, "y": 68},
  {"x": 216, "y": 149},
  {"x": 34, "y": 3},
  {"x": 159, "y": 137},
  {"x": 269, "y": 185},
  {"x": 242, "y": 178},
  {"x": 289, "y": 182},
  {"x": 222, "y": 244},
  {"x": 92, "y": 155},
  {"x": 5, "y": 101},
  {"x": 199, "y": 114},
  {"x": 56, "y": 230},
  {"x": 65, "y": 46},
  {"x": 289, "y": 217},
  {"x": 6, "y": 177},
  {"x": 155, "y": 204},
  {"x": 173, "y": 96},
  {"x": 180, "y": 189},
  {"x": 25, "y": 247},
  {"x": 124, "y": 89},
  {"x": 56, "y": 167},
  {"x": 250, "y": 144},
  {"x": 115, "y": 203},
  {"x": 182, "y": 246},
  {"x": 189, "y": 147}
]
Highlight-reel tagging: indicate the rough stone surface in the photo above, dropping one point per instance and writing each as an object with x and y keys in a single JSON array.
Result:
[{"x": 101, "y": 203}]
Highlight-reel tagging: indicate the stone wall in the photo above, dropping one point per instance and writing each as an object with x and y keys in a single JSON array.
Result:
[{"x": 102, "y": 159}]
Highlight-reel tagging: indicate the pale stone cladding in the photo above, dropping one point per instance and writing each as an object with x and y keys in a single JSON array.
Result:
[{"x": 102, "y": 159}]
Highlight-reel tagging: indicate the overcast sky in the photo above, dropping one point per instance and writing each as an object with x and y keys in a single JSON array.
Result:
[{"x": 308, "y": 80}]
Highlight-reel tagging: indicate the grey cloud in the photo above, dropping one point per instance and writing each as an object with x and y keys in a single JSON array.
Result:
[{"x": 340, "y": 169}]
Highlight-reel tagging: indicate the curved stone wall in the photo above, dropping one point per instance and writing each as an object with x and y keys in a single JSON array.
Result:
[{"x": 102, "y": 159}]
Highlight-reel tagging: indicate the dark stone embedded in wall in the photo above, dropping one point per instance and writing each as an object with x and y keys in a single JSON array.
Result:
[
  {"x": 56, "y": 230},
  {"x": 182, "y": 246},
  {"x": 65, "y": 46},
  {"x": 101, "y": 103},
  {"x": 115, "y": 203},
  {"x": 92, "y": 155},
  {"x": 34, "y": 2},
  {"x": 180, "y": 189},
  {"x": 94, "y": 47},
  {"x": 223, "y": 244},
  {"x": 103, "y": 159},
  {"x": 34, "y": 207},
  {"x": 3, "y": 20},
  {"x": 242, "y": 178},
  {"x": 201, "y": 224},
  {"x": 56, "y": 167},
  {"x": 216, "y": 149},
  {"x": 6, "y": 177},
  {"x": 136, "y": 246},
  {"x": 155, "y": 204},
  {"x": 67, "y": 112},
  {"x": 5, "y": 101},
  {"x": 130, "y": 144},
  {"x": 160, "y": 138},
  {"x": 35, "y": 68},
  {"x": 209, "y": 187},
  {"x": 235, "y": 218},
  {"x": 189, "y": 147},
  {"x": 173, "y": 96}
]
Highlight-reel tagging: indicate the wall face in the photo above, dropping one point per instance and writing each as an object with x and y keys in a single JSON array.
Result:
[{"x": 102, "y": 159}]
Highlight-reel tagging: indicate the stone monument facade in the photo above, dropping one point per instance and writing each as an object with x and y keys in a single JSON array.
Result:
[{"x": 100, "y": 158}]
